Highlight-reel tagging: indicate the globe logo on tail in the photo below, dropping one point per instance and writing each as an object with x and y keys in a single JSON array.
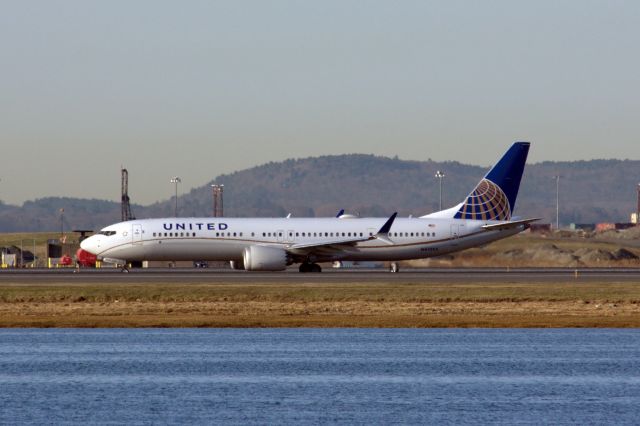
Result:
[{"x": 486, "y": 202}]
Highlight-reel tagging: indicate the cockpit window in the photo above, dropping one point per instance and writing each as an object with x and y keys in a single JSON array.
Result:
[{"x": 107, "y": 233}]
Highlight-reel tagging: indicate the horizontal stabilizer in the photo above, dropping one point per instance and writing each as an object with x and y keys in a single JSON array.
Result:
[{"x": 508, "y": 225}]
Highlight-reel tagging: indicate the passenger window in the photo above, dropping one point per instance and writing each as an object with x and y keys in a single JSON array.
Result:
[
  {"x": 263, "y": 234},
  {"x": 279, "y": 234},
  {"x": 343, "y": 234},
  {"x": 194, "y": 234},
  {"x": 412, "y": 234},
  {"x": 154, "y": 234}
]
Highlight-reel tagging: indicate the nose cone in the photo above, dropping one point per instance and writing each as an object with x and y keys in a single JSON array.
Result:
[{"x": 91, "y": 244}]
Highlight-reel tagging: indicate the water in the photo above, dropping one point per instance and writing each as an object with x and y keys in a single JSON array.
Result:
[{"x": 312, "y": 376}]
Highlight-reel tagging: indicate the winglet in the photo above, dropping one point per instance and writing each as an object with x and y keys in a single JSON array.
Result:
[
  {"x": 387, "y": 225},
  {"x": 383, "y": 233}
]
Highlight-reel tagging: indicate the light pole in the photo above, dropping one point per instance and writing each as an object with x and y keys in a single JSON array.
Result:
[
  {"x": 214, "y": 187},
  {"x": 61, "y": 223},
  {"x": 176, "y": 180},
  {"x": 440, "y": 176},
  {"x": 557, "y": 178},
  {"x": 217, "y": 200},
  {"x": 638, "y": 208}
]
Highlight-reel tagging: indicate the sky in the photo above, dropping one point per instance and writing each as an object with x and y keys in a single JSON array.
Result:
[{"x": 199, "y": 88}]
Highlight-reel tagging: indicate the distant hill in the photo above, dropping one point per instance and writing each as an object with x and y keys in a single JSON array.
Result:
[{"x": 590, "y": 191}]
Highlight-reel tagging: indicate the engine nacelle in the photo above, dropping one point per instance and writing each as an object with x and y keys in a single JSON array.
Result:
[
  {"x": 264, "y": 258},
  {"x": 237, "y": 264}
]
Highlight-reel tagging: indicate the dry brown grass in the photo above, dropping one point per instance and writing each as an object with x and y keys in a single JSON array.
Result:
[{"x": 322, "y": 305}]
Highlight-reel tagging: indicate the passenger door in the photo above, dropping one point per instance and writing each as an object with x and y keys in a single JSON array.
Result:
[
  {"x": 455, "y": 231},
  {"x": 136, "y": 234}
]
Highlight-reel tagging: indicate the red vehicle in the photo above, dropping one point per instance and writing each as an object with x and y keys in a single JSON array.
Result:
[
  {"x": 85, "y": 259},
  {"x": 66, "y": 260}
]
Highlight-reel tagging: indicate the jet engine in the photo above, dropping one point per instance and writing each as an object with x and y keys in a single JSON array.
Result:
[
  {"x": 264, "y": 258},
  {"x": 237, "y": 264}
]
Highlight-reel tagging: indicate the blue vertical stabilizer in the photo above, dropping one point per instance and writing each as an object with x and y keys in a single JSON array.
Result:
[{"x": 494, "y": 198}]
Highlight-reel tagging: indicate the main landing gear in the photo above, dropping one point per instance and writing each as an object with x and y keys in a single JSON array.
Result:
[{"x": 310, "y": 267}]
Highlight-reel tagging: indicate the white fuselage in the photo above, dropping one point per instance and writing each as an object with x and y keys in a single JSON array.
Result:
[{"x": 220, "y": 239}]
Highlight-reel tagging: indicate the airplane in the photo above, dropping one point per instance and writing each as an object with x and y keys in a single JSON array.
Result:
[{"x": 273, "y": 244}]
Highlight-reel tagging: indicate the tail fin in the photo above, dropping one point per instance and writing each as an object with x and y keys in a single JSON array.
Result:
[{"x": 494, "y": 198}]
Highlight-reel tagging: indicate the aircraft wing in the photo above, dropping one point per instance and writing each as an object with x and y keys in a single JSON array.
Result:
[
  {"x": 508, "y": 225},
  {"x": 343, "y": 244}
]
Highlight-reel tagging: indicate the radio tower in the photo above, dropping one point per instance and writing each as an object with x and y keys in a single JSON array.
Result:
[{"x": 126, "y": 206}]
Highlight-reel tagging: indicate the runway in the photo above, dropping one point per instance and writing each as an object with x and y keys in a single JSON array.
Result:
[{"x": 328, "y": 276}]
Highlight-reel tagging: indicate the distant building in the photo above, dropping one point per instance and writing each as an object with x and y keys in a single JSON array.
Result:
[
  {"x": 634, "y": 218},
  {"x": 587, "y": 227},
  {"x": 601, "y": 227},
  {"x": 620, "y": 226},
  {"x": 540, "y": 227},
  {"x": 13, "y": 257}
]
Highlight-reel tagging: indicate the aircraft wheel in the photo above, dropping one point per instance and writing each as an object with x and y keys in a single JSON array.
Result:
[
  {"x": 125, "y": 270},
  {"x": 315, "y": 267},
  {"x": 304, "y": 267},
  {"x": 394, "y": 267}
]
